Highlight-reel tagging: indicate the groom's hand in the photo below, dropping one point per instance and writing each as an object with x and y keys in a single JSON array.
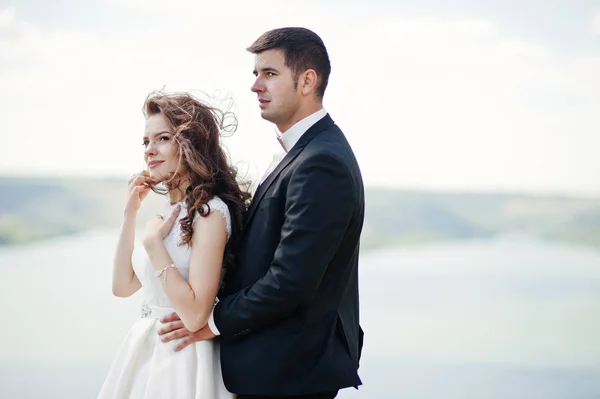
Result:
[{"x": 174, "y": 329}]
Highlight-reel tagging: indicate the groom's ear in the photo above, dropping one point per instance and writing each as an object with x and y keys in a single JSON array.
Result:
[{"x": 308, "y": 81}]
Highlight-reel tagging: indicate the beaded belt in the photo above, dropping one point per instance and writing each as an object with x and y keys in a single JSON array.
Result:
[{"x": 155, "y": 312}]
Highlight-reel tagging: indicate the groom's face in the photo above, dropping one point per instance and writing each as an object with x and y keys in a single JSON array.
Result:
[{"x": 278, "y": 99}]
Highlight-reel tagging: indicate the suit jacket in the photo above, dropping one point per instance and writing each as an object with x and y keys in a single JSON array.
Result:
[{"x": 289, "y": 317}]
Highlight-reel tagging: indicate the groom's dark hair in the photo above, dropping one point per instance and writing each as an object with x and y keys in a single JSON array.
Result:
[{"x": 302, "y": 48}]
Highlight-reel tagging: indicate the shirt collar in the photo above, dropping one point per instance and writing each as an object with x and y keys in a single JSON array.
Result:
[{"x": 291, "y": 136}]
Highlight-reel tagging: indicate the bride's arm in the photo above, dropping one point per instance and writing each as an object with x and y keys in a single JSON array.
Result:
[
  {"x": 125, "y": 281},
  {"x": 193, "y": 301}
]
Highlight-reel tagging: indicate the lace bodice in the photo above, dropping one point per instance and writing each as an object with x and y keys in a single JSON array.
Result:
[{"x": 151, "y": 286}]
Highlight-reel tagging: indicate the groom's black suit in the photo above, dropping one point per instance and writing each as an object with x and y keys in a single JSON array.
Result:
[{"x": 289, "y": 317}]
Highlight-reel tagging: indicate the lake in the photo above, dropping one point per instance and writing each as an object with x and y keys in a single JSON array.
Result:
[{"x": 511, "y": 317}]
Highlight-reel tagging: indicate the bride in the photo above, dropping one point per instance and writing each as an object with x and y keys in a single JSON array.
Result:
[{"x": 183, "y": 256}]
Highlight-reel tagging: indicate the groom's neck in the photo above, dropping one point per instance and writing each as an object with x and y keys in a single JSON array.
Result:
[{"x": 305, "y": 110}]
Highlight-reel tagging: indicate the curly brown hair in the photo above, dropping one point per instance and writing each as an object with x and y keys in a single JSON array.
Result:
[{"x": 197, "y": 128}]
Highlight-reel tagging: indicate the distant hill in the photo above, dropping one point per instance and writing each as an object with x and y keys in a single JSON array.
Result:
[
  {"x": 34, "y": 209},
  {"x": 396, "y": 216}
]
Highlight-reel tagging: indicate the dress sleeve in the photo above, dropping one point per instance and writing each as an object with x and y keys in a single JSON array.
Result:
[{"x": 216, "y": 204}]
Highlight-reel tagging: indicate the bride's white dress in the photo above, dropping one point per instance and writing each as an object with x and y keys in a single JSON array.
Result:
[{"x": 148, "y": 368}]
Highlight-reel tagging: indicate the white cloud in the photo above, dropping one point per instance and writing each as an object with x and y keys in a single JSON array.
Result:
[
  {"x": 16, "y": 36},
  {"x": 596, "y": 23},
  {"x": 482, "y": 111},
  {"x": 7, "y": 17},
  {"x": 426, "y": 102}
]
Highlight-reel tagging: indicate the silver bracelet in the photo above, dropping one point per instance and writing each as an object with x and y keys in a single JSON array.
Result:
[{"x": 164, "y": 270}]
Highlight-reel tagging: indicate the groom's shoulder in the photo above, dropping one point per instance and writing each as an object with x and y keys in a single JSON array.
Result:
[
  {"x": 330, "y": 140},
  {"x": 327, "y": 147},
  {"x": 329, "y": 137}
]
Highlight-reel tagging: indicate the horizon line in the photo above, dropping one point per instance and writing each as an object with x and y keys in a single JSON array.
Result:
[{"x": 482, "y": 191}]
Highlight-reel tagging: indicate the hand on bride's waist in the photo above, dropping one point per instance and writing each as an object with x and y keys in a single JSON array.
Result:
[{"x": 173, "y": 328}]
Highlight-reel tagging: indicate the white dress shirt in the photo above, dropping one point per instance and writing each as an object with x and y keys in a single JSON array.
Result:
[{"x": 288, "y": 140}]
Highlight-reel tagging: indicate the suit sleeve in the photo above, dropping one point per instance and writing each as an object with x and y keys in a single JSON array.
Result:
[{"x": 320, "y": 203}]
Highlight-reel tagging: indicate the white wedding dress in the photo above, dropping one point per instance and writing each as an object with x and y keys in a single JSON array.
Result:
[{"x": 147, "y": 368}]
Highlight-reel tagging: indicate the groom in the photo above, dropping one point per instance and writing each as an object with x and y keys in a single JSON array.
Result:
[{"x": 289, "y": 315}]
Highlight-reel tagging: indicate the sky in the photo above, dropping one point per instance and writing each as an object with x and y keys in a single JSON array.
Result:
[{"x": 467, "y": 95}]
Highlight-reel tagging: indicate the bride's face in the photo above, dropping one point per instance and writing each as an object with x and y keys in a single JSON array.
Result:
[{"x": 160, "y": 151}]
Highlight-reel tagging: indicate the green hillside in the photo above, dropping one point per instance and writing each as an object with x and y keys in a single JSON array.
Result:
[
  {"x": 402, "y": 216},
  {"x": 34, "y": 209}
]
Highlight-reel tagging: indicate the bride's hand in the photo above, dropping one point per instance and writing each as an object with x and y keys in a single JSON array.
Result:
[
  {"x": 139, "y": 187},
  {"x": 158, "y": 228}
]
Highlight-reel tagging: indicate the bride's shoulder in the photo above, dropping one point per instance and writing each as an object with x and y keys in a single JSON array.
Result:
[{"x": 216, "y": 204}]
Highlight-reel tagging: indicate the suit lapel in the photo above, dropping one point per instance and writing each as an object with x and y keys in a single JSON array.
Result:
[{"x": 318, "y": 127}]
